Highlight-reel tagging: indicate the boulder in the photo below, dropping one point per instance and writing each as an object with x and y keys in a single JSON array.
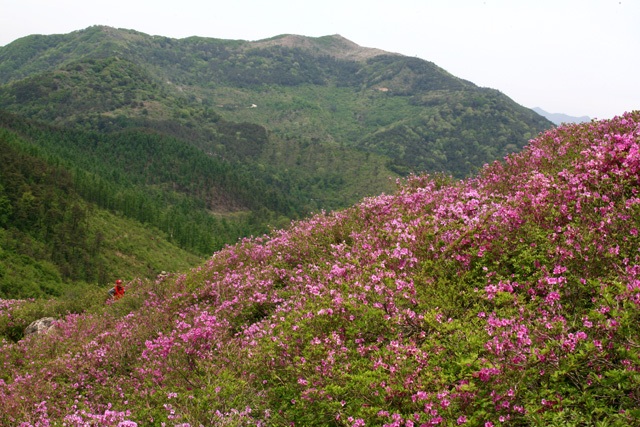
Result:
[{"x": 40, "y": 326}]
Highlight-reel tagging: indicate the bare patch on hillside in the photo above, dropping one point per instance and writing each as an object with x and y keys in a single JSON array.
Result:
[{"x": 335, "y": 45}]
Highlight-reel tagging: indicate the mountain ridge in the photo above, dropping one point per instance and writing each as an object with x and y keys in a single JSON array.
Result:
[
  {"x": 332, "y": 45},
  {"x": 407, "y": 109},
  {"x": 560, "y": 118}
]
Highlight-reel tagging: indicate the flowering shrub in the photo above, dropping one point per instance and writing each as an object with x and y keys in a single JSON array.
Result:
[{"x": 509, "y": 299}]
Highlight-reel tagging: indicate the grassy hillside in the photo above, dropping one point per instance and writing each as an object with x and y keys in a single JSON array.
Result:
[{"x": 508, "y": 299}]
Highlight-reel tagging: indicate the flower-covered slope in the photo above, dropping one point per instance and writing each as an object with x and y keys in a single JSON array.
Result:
[{"x": 508, "y": 299}]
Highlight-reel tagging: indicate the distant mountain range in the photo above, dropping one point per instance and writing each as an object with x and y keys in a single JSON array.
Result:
[{"x": 559, "y": 118}]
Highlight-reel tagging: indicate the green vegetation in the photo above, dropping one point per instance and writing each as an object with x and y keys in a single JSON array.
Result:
[
  {"x": 52, "y": 238},
  {"x": 510, "y": 299},
  {"x": 155, "y": 179},
  {"x": 203, "y": 141},
  {"x": 326, "y": 89}
]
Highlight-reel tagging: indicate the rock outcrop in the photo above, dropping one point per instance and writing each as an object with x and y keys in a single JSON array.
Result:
[{"x": 40, "y": 326}]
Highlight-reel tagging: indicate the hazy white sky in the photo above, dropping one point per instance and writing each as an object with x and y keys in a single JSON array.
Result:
[{"x": 579, "y": 57}]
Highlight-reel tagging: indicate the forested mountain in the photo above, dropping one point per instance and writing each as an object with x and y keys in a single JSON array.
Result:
[
  {"x": 323, "y": 90},
  {"x": 154, "y": 178}
]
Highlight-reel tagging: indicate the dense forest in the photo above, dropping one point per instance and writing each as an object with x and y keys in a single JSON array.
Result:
[
  {"x": 55, "y": 179},
  {"x": 51, "y": 236},
  {"x": 154, "y": 179}
]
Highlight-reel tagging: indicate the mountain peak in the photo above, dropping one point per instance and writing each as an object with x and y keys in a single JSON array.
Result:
[
  {"x": 334, "y": 45},
  {"x": 560, "y": 118}
]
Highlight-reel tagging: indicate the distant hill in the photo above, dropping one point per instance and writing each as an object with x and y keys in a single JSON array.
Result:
[
  {"x": 559, "y": 118},
  {"x": 313, "y": 91}
]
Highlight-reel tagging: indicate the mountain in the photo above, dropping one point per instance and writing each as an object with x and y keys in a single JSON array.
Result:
[
  {"x": 208, "y": 140},
  {"x": 509, "y": 298},
  {"x": 559, "y": 118},
  {"x": 313, "y": 91}
]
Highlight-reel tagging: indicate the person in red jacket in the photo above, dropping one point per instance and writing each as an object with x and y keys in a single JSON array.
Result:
[{"x": 117, "y": 291}]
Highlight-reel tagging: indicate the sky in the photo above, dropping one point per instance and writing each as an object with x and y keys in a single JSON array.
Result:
[{"x": 577, "y": 57}]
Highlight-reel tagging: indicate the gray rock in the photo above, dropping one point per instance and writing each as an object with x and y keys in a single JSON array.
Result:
[{"x": 40, "y": 326}]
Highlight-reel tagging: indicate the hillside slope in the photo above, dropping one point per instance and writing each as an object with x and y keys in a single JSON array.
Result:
[
  {"x": 115, "y": 95},
  {"x": 157, "y": 179},
  {"x": 512, "y": 298},
  {"x": 53, "y": 240},
  {"x": 324, "y": 90}
]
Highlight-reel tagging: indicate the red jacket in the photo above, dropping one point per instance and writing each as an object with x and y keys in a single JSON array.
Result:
[{"x": 119, "y": 292}]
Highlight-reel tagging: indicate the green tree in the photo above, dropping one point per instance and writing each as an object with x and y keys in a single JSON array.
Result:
[{"x": 6, "y": 210}]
